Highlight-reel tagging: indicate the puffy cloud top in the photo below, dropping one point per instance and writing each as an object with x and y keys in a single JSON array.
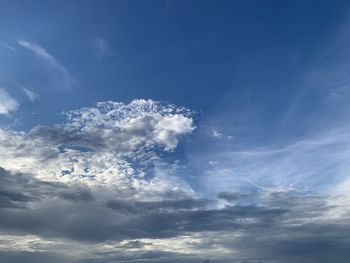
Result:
[
  {"x": 111, "y": 144},
  {"x": 128, "y": 127}
]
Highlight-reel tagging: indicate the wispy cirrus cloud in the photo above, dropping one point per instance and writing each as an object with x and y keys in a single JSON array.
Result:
[
  {"x": 316, "y": 163},
  {"x": 50, "y": 60},
  {"x": 7, "y": 46},
  {"x": 32, "y": 96},
  {"x": 10, "y": 82}
]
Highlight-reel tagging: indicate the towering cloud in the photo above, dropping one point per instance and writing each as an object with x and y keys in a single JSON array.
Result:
[{"x": 112, "y": 144}]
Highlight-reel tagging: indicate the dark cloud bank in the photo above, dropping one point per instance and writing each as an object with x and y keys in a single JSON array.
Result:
[{"x": 282, "y": 227}]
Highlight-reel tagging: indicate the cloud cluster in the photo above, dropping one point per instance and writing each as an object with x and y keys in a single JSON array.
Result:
[
  {"x": 96, "y": 188},
  {"x": 142, "y": 124},
  {"x": 112, "y": 144}
]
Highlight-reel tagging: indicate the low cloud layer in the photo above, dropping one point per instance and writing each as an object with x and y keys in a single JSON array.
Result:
[{"x": 78, "y": 224}]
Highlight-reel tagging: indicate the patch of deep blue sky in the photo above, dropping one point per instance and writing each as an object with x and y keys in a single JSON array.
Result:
[{"x": 244, "y": 61}]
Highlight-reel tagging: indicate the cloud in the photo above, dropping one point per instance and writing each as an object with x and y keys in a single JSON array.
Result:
[
  {"x": 125, "y": 130},
  {"x": 30, "y": 94},
  {"x": 10, "y": 82},
  {"x": 7, "y": 103},
  {"x": 216, "y": 134},
  {"x": 112, "y": 144},
  {"x": 316, "y": 163},
  {"x": 7, "y": 46},
  {"x": 101, "y": 187},
  {"x": 77, "y": 194},
  {"x": 102, "y": 48},
  {"x": 233, "y": 196},
  {"x": 279, "y": 227},
  {"x": 50, "y": 61}
]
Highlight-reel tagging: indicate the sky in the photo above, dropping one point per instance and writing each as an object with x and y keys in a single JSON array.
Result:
[{"x": 174, "y": 131}]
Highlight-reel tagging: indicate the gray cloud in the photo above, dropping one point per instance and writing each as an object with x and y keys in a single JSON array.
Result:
[
  {"x": 77, "y": 194},
  {"x": 283, "y": 227},
  {"x": 32, "y": 257},
  {"x": 233, "y": 196}
]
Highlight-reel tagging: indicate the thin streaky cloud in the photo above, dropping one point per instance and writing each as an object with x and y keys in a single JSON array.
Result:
[
  {"x": 12, "y": 82},
  {"x": 7, "y": 46},
  {"x": 49, "y": 59},
  {"x": 30, "y": 94}
]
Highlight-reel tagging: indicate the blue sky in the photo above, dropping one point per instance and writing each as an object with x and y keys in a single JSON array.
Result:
[
  {"x": 167, "y": 51},
  {"x": 175, "y": 131}
]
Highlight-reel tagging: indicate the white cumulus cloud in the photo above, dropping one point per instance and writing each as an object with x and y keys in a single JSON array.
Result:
[{"x": 110, "y": 145}]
